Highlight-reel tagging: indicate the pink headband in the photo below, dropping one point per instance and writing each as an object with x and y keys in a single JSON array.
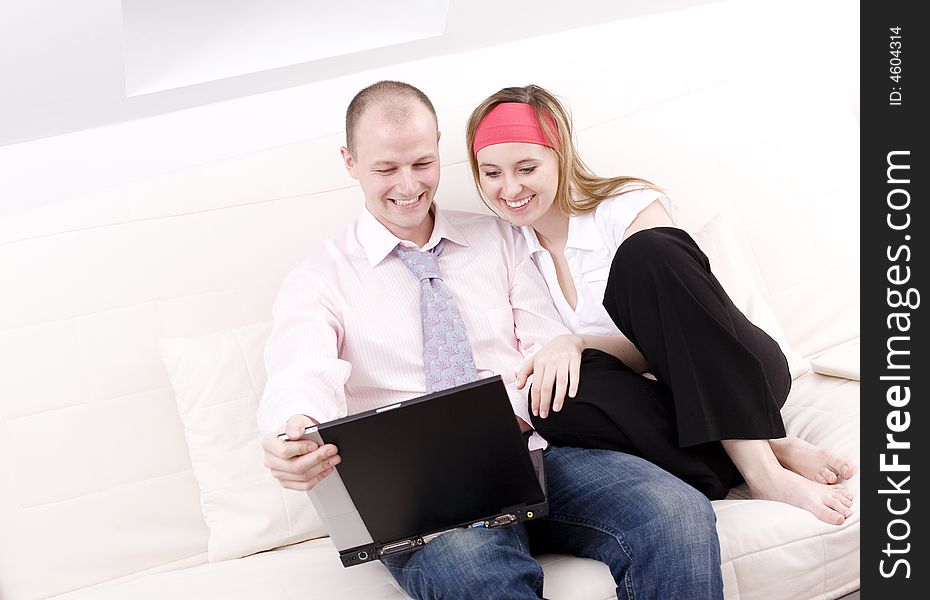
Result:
[{"x": 512, "y": 122}]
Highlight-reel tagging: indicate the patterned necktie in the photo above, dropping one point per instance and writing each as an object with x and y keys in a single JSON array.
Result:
[{"x": 447, "y": 357}]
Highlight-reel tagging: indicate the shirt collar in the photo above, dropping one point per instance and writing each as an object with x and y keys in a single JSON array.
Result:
[
  {"x": 582, "y": 234},
  {"x": 532, "y": 242},
  {"x": 378, "y": 242}
]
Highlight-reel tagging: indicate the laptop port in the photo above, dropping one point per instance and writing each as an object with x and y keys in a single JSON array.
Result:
[
  {"x": 363, "y": 555},
  {"x": 503, "y": 520},
  {"x": 397, "y": 547}
]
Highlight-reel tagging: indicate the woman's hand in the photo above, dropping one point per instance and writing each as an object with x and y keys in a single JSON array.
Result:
[{"x": 558, "y": 363}]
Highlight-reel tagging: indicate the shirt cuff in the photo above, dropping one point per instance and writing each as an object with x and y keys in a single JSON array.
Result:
[{"x": 273, "y": 419}]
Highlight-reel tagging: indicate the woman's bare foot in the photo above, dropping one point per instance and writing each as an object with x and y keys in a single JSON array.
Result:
[
  {"x": 769, "y": 480},
  {"x": 829, "y": 503},
  {"x": 810, "y": 461}
]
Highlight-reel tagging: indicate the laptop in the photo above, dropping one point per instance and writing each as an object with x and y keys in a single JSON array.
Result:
[{"x": 413, "y": 470}]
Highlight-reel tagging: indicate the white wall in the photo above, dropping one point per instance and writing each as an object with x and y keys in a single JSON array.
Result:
[
  {"x": 62, "y": 61},
  {"x": 707, "y": 44}
]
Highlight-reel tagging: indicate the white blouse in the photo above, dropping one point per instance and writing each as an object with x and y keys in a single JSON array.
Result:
[{"x": 593, "y": 239}]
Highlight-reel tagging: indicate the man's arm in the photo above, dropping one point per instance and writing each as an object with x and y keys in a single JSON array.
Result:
[
  {"x": 306, "y": 383},
  {"x": 305, "y": 374}
]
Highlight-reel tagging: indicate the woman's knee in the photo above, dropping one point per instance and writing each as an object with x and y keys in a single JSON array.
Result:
[{"x": 664, "y": 247}]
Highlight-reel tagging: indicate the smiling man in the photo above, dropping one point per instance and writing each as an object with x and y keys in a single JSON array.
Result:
[
  {"x": 396, "y": 160},
  {"x": 349, "y": 336}
]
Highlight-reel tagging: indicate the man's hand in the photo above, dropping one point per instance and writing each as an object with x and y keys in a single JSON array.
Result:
[
  {"x": 298, "y": 465},
  {"x": 558, "y": 363}
]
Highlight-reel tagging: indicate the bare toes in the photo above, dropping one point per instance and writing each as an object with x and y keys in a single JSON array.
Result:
[
  {"x": 827, "y": 476},
  {"x": 837, "y": 506},
  {"x": 828, "y": 515},
  {"x": 841, "y": 467},
  {"x": 846, "y": 501}
]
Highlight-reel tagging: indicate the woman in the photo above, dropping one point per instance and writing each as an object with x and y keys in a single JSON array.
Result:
[{"x": 639, "y": 295}]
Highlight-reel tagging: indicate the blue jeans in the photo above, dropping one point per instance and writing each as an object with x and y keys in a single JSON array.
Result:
[{"x": 656, "y": 533}]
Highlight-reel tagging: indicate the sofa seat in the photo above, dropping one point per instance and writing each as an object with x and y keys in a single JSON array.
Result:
[
  {"x": 764, "y": 545},
  {"x": 308, "y": 570},
  {"x": 768, "y": 546}
]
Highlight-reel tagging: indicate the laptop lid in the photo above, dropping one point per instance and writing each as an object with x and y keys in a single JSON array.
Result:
[{"x": 450, "y": 459}]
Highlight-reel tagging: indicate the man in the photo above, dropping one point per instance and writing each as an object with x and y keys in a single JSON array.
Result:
[{"x": 348, "y": 336}]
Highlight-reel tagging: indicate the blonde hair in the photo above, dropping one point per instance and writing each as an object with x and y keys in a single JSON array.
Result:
[{"x": 581, "y": 190}]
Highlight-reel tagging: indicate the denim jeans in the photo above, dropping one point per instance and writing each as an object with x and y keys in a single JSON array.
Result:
[{"x": 656, "y": 533}]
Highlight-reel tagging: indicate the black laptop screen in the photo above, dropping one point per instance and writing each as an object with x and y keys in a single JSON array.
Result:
[{"x": 403, "y": 487}]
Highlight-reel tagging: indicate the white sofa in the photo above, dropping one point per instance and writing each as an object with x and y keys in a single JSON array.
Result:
[{"x": 108, "y": 491}]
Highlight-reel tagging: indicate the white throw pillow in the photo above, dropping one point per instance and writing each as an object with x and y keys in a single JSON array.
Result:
[
  {"x": 727, "y": 263},
  {"x": 218, "y": 380}
]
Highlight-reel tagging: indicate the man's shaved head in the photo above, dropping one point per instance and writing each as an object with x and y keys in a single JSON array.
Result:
[{"x": 394, "y": 99}]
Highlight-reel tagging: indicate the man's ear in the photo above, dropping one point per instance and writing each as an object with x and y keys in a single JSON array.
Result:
[
  {"x": 438, "y": 135},
  {"x": 349, "y": 161}
]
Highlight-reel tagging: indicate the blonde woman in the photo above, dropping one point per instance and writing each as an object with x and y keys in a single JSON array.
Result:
[{"x": 640, "y": 296}]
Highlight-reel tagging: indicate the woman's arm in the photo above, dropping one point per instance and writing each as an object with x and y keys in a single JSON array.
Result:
[
  {"x": 653, "y": 215},
  {"x": 619, "y": 346},
  {"x": 556, "y": 367}
]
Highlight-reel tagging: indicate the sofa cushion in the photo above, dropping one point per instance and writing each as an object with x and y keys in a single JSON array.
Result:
[
  {"x": 768, "y": 545},
  {"x": 842, "y": 361},
  {"x": 310, "y": 570},
  {"x": 768, "y": 549},
  {"x": 218, "y": 380}
]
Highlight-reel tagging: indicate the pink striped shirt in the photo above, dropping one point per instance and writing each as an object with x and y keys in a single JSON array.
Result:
[{"x": 347, "y": 335}]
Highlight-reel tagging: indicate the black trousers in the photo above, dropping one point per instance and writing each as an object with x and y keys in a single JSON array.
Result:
[{"x": 719, "y": 377}]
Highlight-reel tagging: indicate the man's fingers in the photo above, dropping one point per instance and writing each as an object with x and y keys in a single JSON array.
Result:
[
  {"x": 304, "y": 486},
  {"x": 304, "y": 463},
  {"x": 276, "y": 463},
  {"x": 293, "y": 457},
  {"x": 296, "y": 425},
  {"x": 292, "y": 449},
  {"x": 288, "y": 474},
  {"x": 298, "y": 464},
  {"x": 301, "y": 469},
  {"x": 272, "y": 444}
]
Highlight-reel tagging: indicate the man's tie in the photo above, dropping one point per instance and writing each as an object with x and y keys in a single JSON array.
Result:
[{"x": 447, "y": 357}]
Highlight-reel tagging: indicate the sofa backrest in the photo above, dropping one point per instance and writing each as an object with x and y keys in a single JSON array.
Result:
[{"x": 95, "y": 476}]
